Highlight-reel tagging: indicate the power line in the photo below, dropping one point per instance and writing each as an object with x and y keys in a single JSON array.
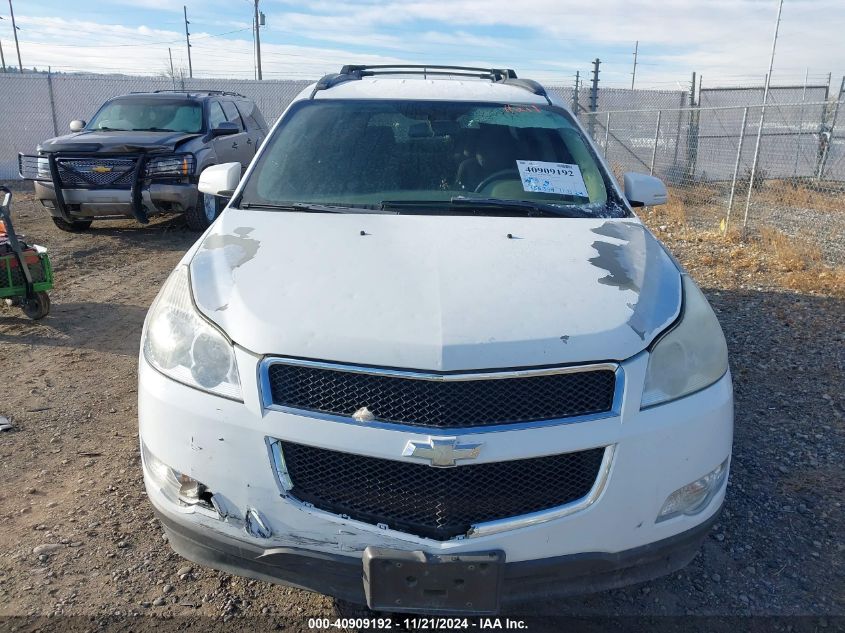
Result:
[{"x": 144, "y": 44}]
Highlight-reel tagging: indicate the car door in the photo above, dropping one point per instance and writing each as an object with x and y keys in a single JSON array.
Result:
[
  {"x": 227, "y": 148},
  {"x": 241, "y": 142},
  {"x": 255, "y": 126}
]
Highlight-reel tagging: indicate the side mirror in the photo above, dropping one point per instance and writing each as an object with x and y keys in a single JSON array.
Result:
[
  {"x": 220, "y": 180},
  {"x": 77, "y": 125},
  {"x": 225, "y": 129},
  {"x": 643, "y": 190}
]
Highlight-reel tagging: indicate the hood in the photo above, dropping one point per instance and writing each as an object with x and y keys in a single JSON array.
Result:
[
  {"x": 92, "y": 141},
  {"x": 435, "y": 293}
]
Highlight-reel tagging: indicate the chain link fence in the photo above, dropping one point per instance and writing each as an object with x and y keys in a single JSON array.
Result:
[
  {"x": 725, "y": 172},
  {"x": 706, "y": 153}
]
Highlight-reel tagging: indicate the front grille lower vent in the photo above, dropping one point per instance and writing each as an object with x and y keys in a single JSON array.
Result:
[{"x": 438, "y": 503}]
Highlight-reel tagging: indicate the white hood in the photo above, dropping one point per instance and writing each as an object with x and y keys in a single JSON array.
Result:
[{"x": 434, "y": 292}]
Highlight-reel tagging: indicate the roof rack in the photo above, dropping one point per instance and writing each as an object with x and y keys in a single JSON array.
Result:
[
  {"x": 199, "y": 91},
  {"x": 497, "y": 75}
]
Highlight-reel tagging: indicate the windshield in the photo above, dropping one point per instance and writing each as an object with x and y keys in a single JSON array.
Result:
[
  {"x": 150, "y": 114},
  {"x": 420, "y": 156}
]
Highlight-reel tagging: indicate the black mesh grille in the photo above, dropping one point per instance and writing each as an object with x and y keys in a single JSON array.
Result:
[
  {"x": 91, "y": 172},
  {"x": 438, "y": 503},
  {"x": 443, "y": 404}
]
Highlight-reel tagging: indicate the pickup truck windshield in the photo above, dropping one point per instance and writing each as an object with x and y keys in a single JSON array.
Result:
[
  {"x": 431, "y": 157},
  {"x": 151, "y": 114}
]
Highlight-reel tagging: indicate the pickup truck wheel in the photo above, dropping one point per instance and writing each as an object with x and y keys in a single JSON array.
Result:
[
  {"x": 75, "y": 226},
  {"x": 203, "y": 213}
]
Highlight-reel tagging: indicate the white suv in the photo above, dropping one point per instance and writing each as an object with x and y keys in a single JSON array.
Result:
[{"x": 429, "y": 360}]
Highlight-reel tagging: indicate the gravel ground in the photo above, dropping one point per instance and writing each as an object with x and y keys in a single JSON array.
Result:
[{"x": 79, "y": 537}]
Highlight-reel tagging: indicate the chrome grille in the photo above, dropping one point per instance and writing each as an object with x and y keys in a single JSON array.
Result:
[{"x": 443, "y": 402}]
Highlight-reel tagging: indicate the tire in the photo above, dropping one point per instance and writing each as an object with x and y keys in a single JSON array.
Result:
[
  {"x": 37, "y": 307},
  {"x": 75, "y": 226},
  {"x": 203, "y": 213}
]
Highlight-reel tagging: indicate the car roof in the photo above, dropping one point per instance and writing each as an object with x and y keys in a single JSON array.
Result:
[
  {"x": 185, "y": 94},
  {"x": 430, "y": 82},
  {"x": 418, "y": 88}
]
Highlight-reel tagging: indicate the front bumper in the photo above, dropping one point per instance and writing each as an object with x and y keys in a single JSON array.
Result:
[
  {"x": 341, "y": 576},
  {"x": 612, "y": 542},
  {"x": 84, "y": 204}
]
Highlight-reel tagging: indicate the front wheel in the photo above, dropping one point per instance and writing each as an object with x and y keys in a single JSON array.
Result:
[
  {"x": 203, "y": 213},
  {"x": 74, "y": 226},
  {"x": 37, "y": 306}
]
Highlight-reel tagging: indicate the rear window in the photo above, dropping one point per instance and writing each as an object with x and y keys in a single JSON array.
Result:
[
  {"x": 149, "y": 114},
  {"x": 363, "y": 153}
]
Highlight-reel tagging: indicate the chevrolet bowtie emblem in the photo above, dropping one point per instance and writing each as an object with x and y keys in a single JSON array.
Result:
[
  {"x": 101, "y": 169},
  {"x": 441, "y": 451}
]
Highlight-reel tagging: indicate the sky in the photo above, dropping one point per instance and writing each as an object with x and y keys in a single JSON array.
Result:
[{"x": 728, "y": 42}]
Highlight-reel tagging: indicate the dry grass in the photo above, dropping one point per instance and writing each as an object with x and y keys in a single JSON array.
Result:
[
  {"x": 791, "y": 254},
  {"x": 798, "y": 194},
  {"x": 769, "y": 255}
]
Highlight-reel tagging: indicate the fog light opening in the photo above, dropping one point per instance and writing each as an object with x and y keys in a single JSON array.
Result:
[
  {"x": 695, "y": 496},
  {"x": 193, "y": 492},
  {"x": 177, "y": 486}
]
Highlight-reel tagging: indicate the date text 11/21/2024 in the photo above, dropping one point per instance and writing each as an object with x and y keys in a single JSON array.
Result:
[{"x": 412, "y": 623}]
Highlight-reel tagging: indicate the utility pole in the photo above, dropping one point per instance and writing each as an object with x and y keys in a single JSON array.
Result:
[
  {"x": 634, "y": 73},
  {"x": 692, "y": 90},
  {"x": 762, "y": 118},
  {"x": 172, "y": 74},
  {"x": 257, "y": 40},
  {"x": 575, "y": 94},
  {"x": 2, "y": 57},
  {"x": 187, "y": 41},
  {"x": 594, "y": 99},
  {"x": 594, "y": 90},
  {"x": 15, "y": 32}
]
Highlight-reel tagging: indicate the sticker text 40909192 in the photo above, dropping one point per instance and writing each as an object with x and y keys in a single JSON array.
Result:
[{"x": 544, "y": 177}]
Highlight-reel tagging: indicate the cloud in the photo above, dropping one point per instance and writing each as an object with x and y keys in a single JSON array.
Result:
[{"x": 727, "y": 41}]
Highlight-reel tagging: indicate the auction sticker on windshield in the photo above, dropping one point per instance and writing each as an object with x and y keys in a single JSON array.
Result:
[{"x": 542, "y": 177}]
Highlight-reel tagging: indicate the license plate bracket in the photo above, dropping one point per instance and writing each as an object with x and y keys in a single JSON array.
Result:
[{"x": 416, "y": 581}]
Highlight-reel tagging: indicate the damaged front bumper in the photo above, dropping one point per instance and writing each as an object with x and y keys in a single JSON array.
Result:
[
  {"x": 71, "y": 189},
  {"x": 84, "y": 204},
  {"x": 341, "y": 576},
  {"x": 251, "y": 527}
]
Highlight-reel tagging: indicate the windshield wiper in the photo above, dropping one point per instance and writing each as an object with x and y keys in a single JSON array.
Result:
[
  {"x": 528, "y": 207},
  {"x": 153, "y": 129},
  {"x": 531, "y": 207},
  {"x": 305, "y": 207}
]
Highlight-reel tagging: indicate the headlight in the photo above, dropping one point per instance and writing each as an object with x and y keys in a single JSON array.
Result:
[
  {"x": 174, "y": 166},
  {"x": 43, "y": 168},
  {"x": 691, "y": 356},
  {"x": 182, "y": 345}
]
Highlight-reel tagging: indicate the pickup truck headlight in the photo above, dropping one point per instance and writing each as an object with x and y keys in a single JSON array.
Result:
[
  {"x": 182, "y": 345},
  {"x": 43, "y": 168},
  {"x": 689, "y": 357},
  {"x": 171, "y": 166}
]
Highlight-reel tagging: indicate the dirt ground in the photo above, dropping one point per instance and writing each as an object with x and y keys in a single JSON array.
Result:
[{"x": 71, "y": 477}]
